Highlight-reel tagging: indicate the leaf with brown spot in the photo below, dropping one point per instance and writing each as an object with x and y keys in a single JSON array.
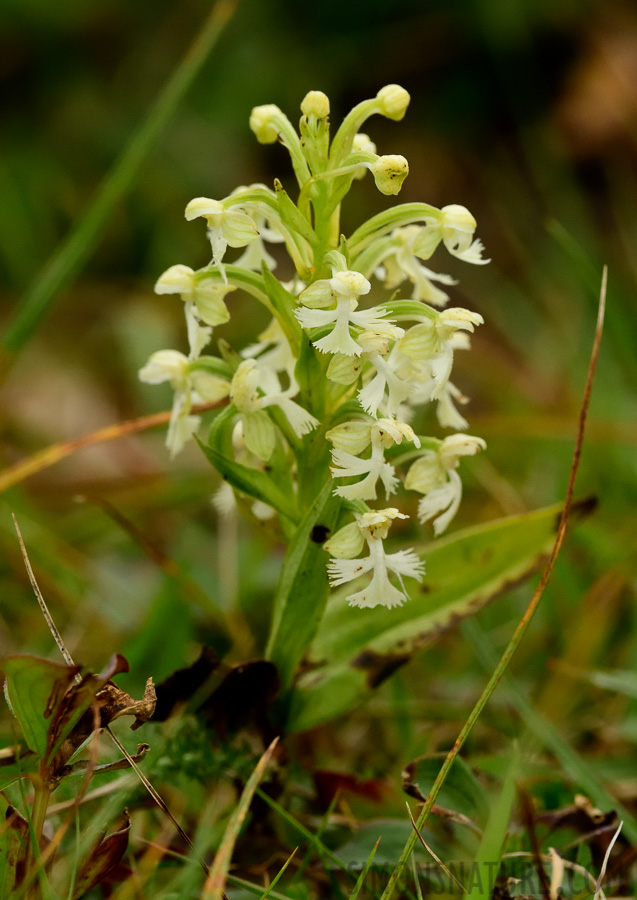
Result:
[{"x": 103, "y": 858}]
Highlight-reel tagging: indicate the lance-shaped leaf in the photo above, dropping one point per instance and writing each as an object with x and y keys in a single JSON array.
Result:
[
  {"x": 355, "y": 650},
  {"x": 251, "y": 482}
]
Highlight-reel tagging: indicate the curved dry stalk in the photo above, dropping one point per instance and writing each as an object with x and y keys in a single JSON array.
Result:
[{"x": 49, "y": 456}]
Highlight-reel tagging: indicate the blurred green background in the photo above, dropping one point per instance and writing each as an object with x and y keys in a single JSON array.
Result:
[{"x": 525, "y": 112}]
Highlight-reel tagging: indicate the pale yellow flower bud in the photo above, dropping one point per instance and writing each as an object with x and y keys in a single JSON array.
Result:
[
  {"x": 389, "y": 173},
  {"x": 394, "y": 101},
  {"x": 363, "y": 143},
  {"x": 262, "y": 123},
  {"x": 175, "y": 280},
  {"x": 316, "y": 103}
]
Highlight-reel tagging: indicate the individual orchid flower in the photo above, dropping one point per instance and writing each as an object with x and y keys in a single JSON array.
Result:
[
  {"x": 389, "y": 171},
  {"x": 192, "y": 385},
  {"x": 400, "y": 262},
  {"x": 373, "y": 528},
  {"x": 434, "y": 341},
  {"x": 258, "y": 429},
  {"x": 386, "y": 388},
  {"x": 228, "y": 226},
  {"x": 204, "y": 302},
  {"x": 352, "y": 438},
  {"x": 343, "y": 289},
  {"x": 434, "y": 475},
  {"x": 455, "y": 227}
]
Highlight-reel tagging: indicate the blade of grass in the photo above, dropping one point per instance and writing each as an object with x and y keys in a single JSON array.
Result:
[
  {"x": 215, "y": 882},
  {"x": 320, "y": 846},
  {"x": 361, "y": 878},
  {"x": 545, "y": 732},
  {"x": 526, "y": 619},
  {"x": 278, "y": 876},
  {"x": 76, "y": 249}
]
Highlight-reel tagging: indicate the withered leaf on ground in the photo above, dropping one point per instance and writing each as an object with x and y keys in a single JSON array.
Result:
[
  {"x": 103, "y": 858},
  {"x": 14, "y": 838},
  {"x": 91, "y": 704}
]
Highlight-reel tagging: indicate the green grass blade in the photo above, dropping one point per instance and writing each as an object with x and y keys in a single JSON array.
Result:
[
  {"x": 545, "y": 732},
  {"x": 213, "y": 888},
  {"x": 487, "y": 861},
  {"x": 69, "y": 259}
]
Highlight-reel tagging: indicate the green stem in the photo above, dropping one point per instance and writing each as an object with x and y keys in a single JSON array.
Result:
[
  {"x": 34, "y": 873},
  {"x": 65, "y": 264}
]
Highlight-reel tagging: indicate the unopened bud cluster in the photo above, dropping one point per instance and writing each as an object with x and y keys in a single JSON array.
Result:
[{"x": 329, "y": 390}]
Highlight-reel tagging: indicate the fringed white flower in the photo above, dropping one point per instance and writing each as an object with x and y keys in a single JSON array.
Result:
[
  {"x": 400, "y": 262},
  {"x": 343, "y": 289},
  {"x": 431, "y": 345},
  {"x": 258, "y": 429},
  {"x": 373, "y": 528},
  {"x": 352, "y": 438},
  {"x": 455, "y": 227},
  {"x": 387, "y": 388},
  {"x": 435, "y": 476}
]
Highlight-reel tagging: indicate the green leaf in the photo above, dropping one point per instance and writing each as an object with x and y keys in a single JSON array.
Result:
[
  {"x": 251, "y": 482},
  {"x": 284, "y": 305},
  {"x": 303, "y": 590},
  {"x": 35, "y": 688},
  {"x": 488, "y": 858},
  {"x": 355, "y": 650}
]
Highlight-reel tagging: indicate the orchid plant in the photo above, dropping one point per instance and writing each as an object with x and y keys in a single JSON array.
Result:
[{"x": 313, "y": 427}]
